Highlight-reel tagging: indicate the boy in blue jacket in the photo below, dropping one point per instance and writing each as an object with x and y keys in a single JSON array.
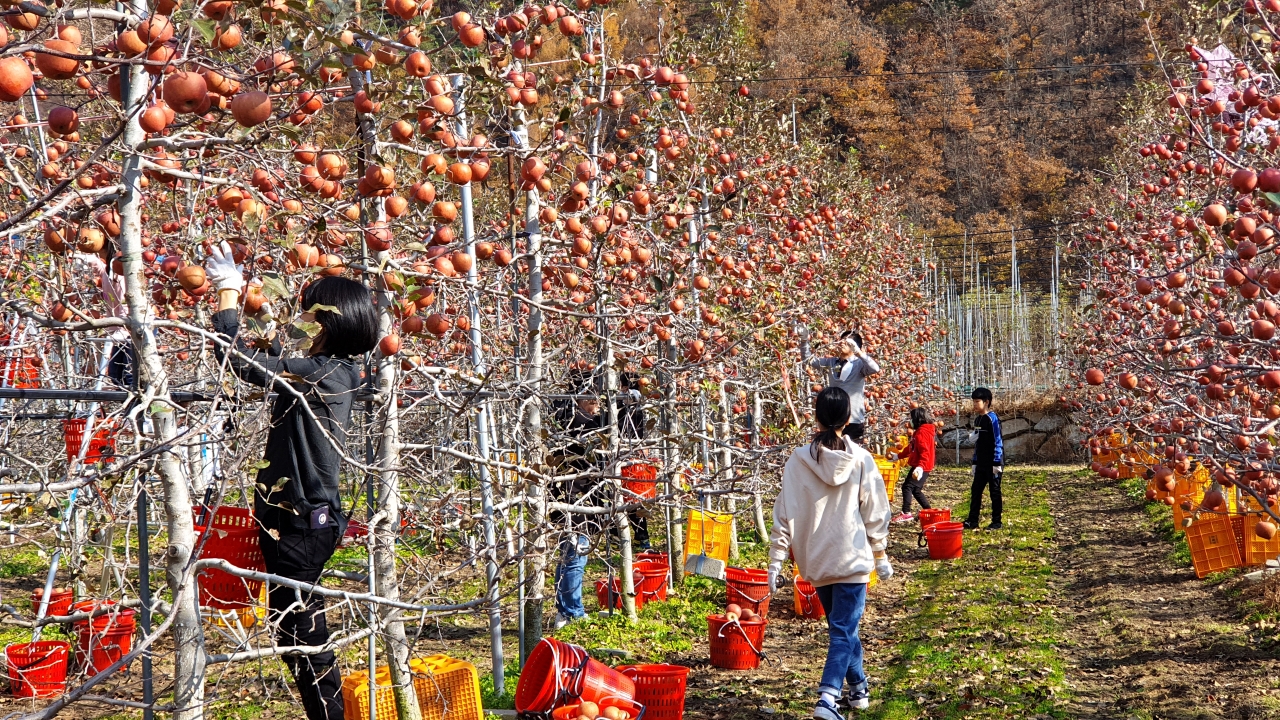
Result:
[{"x": 987, "y": 465}]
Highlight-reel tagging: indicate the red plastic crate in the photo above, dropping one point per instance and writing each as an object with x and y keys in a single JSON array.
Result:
[
  {"x": 808, "y": 605},
  {"x": 641, "y": 479},
  {"x": 660, "y": 689},
  {"x": 748, "y": 588},
  {"x": 101, "y": 446},
  {"x": 234, "y": 538},
  {"x": 651, "y": 581},
  {"x": 19, "y": 372},
  {"x": 558, "y": 674},
  {"x": 602, "y": 595},
  {"x": 736, "y": 645},
  {"x": 38, "y": 669},
  {"x": 60, "y": 600}
]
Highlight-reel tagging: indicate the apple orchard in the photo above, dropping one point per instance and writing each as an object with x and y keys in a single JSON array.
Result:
[
  {"x": 1177, "y": 353},
  {"x": 531, "y": 193}
]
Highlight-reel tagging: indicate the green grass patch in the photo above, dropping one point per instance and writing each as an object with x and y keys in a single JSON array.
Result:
[
  {"x": 26, "y": 563},
  {"x": 979, "y": 639},
  {"x": 1161, "y": 519},
  {"x": 510, "y": 678},
  {"x": 663, "y": 628}
]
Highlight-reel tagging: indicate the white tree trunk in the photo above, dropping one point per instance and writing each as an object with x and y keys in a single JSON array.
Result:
[
  {"x": 188, "y": 635},
  {"x": 386, "y": 531}
]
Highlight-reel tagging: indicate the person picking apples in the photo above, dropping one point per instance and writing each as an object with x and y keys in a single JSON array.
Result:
[
  {"x": 832, "y": 515},
  {"x": 850, "y": 367},
  {"x": 297, "y": 503}
]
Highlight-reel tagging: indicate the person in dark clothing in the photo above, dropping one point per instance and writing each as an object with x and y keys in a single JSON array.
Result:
[
  {"x": 631, "y": 427},
  {"x": 578, "y": 419},
  {"x": 297, "y": 503},
  {"x": 921, "y": 453},
  {"x": 988, "y": 461}
]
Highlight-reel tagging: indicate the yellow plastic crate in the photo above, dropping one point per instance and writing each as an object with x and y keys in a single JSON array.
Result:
[
  {"x": 1213, "y": 544},
  {"x": 889, "y": 470},
  {"x": 708, "y": 533},
  {"x": 355, "y": 696},
  {"x": 447, "y": 689}
]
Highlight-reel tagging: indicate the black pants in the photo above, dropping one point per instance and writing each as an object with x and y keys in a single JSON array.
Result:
[
  {"x": 301, "y": 555},
  {"x": 914, "y": 488},
  {"x": 639, "y": 530},
  {"x": 984, "y": 477},
  {"x": 121, "y": 366}
]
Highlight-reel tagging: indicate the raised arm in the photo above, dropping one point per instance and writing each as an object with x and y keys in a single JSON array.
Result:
[{"x": 258, "y": 366}]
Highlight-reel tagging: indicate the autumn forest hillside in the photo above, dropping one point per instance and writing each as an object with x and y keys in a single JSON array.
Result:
[{"x": 985, "y": 115}]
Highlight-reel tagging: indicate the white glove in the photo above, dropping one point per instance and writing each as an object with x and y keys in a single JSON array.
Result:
[
  {"x": 917, "y": 473},
  {"x": 774, "y": 569},
  {"x": 884, "y": 568},
  {"x": 891, "y": 455},
  {"x": 87, "y": 262},
  {"x": 222, "y": 271}
]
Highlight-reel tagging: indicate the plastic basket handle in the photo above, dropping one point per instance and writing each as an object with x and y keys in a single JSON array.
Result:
[
  {"x": 806, "y": 600},
  {"x": 759, "y": 653},
  {"x": 921, "y": 540}
]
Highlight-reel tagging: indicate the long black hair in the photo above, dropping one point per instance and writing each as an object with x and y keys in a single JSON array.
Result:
[
  {"x": 351, "y": 328},
  {"x": 831, "y": 410},
  {"x": 920, "y": 416}
]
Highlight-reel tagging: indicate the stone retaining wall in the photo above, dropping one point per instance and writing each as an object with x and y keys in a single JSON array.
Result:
[{"x": 1029, "y": 437}]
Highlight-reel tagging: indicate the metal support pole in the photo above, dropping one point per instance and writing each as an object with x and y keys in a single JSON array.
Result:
[
  {"x": 144, "y": 595},
  {"x": 482, "y": 417}
]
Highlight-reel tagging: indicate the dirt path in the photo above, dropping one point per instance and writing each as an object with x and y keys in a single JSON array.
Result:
[{"x": 1148, "y": 639}]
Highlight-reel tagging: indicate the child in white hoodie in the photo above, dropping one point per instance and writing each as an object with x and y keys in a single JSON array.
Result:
[{"x": 832, "y": 515}]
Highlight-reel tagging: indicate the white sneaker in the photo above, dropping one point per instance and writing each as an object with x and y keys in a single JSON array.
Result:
[
  {"x": 561, "y": 621},
  {"x": 825, "y": 711},
  {"x": 860, "y": 698}
]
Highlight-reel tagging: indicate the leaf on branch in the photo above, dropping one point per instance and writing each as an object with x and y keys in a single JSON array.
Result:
[
  {"x": 208, "y": 29},
  {"x": 274, "y": 287},
  {"x": 299, "y": 329}
]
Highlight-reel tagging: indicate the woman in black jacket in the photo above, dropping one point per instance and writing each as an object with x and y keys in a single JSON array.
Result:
[{"x": 297, "y": 503}]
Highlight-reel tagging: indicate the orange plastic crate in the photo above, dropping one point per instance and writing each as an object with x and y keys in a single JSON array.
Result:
[
  {"x": 1258, "y": 551},
  {"x": 1213, "y": 544},
  {"x": 448, "y": 689},
  {"x": 1187, "y": 489}
]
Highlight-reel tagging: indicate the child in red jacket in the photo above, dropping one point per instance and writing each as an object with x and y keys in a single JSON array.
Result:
[{"x": 920, "y": 459}]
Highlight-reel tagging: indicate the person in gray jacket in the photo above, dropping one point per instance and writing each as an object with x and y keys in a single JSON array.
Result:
[{"x": 850, "y": 368}]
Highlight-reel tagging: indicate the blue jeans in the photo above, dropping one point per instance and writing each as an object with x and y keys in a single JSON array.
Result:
[
  {"x": 844, "y": 604},
  {"x": 569, "y": 572}
]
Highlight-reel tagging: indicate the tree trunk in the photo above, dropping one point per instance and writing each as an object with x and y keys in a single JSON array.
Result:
[
  {"x": 188, "y": 635},
  {"x": 386, "y": 531},
  {"x": 537, "y": 490},
  {"x": 726, "y": 467}
]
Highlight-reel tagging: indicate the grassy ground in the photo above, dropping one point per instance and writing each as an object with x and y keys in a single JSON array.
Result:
[{"x": 976, "y": 637}]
